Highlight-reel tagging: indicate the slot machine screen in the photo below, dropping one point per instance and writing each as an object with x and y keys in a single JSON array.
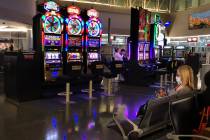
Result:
[
  {"x": 53, "y": 57},
  {"x": 146, "y": 56},
  {"x": 146, "y": 47},
  {"x": 52, "y": 40},
  {"x": 179, "y": 54},
  {"x": 141, "y": 56},
  {"x": 141, "y": 47},
  {"x": 167, "y": 53},
  {"x": 73, "y": 56},
  {"x": 75, "y": 41},
  {"x": 93, "y": 56},
  {"x": 93, "y": 42}
]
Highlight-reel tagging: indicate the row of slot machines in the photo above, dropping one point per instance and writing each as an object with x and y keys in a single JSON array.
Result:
[
  {"x": 65, "y": 35},
  {"x": 177, "y": 52}
]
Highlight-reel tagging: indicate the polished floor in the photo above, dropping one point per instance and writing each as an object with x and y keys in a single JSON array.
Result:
[{"x": 52, "y": 119}]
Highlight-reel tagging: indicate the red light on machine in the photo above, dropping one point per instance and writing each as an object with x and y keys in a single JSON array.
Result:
[
  {"x": 73, "y": 10},
  {"x": 192, "y": 39},
  {"x": 92, "y": 13}
]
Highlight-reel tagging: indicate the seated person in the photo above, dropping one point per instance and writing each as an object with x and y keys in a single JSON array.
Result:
[
  {"x": 185, "y": 82},
  {"x": 204, "y": 98},
  {"x": 117, "y": 55}
]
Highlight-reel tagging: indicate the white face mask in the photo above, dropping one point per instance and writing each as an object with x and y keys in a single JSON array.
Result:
[{"x": 178, "y": 80}]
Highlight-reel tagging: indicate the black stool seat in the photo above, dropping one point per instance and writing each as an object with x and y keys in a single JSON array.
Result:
[
  {"x": 161, "y": 71},
  {"x": 65, "y": 78},
  {"x": 88, "y": 76},
  {"x": 109, "y": 75}
]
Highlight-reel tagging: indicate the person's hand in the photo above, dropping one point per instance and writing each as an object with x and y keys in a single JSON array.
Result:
[{"x": 160, "y": 93}]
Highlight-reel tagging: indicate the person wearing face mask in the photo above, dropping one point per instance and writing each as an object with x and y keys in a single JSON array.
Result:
[{"x": 185, "y": 82}]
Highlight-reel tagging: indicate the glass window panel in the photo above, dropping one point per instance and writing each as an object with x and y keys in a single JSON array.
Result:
[
  {"x": 164, "y": 4},
  {"x": 203, "y": 2},
  {"x": 121, "y": 3},
  {"x": 180, "y": 5},
  {"x": 188, "y": 3},
  {"x": 151, "y": 4}
]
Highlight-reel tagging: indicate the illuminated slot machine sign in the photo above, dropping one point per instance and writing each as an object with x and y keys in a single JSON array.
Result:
[
  {"x": 94, "y": 29},
  {"x": 73, "y": 56},
  {"x": 53, "y": 57},
  {"x": 93, "y": 56}
]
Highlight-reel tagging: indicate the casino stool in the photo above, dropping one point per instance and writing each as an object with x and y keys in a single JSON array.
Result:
[
  {"x": 162, "y": 73},
  {"x": 108, "y": 87},
  {"x": 89, "y": 78},
  {"x": 67, "y": 80}
]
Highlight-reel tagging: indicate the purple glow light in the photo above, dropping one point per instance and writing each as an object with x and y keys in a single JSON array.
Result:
[{"x": 91, "y": 125}]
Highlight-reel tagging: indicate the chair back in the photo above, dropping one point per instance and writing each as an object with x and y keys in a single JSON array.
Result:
[
  {"x": 156, "y": 116},
  {"x": 116, "y": 67},
  {"x": 97, "y": 67},
  {"x": 74, "y": 69},
  {"x": 183, "y": 115}
]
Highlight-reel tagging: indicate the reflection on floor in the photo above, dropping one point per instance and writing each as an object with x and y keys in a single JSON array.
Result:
[{"x": 52, "y": 119}]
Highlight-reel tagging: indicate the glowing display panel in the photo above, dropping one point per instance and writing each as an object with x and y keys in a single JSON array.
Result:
[
  {"x": 53, "y": 57},
  {"x": 94, "y": 42},
  {"x": 93, "y": 56},
  {"x": 52, "y": 40},
  {"x": 146, "y": 56},
  {"x": 73, "y": 56},
  {"x": 75, "y": 42},
  {"x": 52, "y": 24},
  {"x": 141, "y": 56},
  {"x": 141, "y": 47},
  {"x": 167, "y": 53},
  {"x": 75, "y": 26},
  {"x": 180, "y": 54},
  {"x": 146, "y": 47}
]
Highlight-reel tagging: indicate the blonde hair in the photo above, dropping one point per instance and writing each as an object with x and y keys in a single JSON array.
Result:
[{"x": 186, "y": 74}]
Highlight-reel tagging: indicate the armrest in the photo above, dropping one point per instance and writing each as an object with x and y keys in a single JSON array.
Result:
[{"x": 176, "y": 137}]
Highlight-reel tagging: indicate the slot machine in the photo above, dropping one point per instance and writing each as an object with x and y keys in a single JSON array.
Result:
[
  {"x": 74, "y": 40},
  {"x": 180, "y": 52},
  {"x": 48, "y": 40},
  {"x": 144, "y": 36},
  {"x": 93, "y": 42},
  {"x": 167, "y": 52},
  {"x": 93, "y": 36}
]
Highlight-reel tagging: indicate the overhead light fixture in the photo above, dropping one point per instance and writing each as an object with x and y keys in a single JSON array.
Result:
[
  {"x": 4, "y": 26},
  {"x": 91, "y": 2},
  {"x": 12, "y": 29}
]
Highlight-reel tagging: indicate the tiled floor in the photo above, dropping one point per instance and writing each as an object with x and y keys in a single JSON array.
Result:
[{"x": 52, "y": 119}]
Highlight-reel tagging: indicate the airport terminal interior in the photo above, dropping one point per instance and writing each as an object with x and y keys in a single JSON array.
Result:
[{"x": 105, "y": 70}]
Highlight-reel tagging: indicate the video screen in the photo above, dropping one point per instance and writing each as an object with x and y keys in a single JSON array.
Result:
[
  {"x": 167, "y": 53},
  {"x": 141, "y": 47},
  {"x": 75, "y": 42},
  {"x": 146, "y": 56},
  {"x": 179, "y": 54},
  {"x": 93, "y": 56},
  {"x": 146, "y": 47},
  {"x": 53, "y": 57},
  {"x": 52, "y": 40},
  {"x": 93, "y": 42},
  {"x": 141, "y": 56},
  {"x": 73, "y": 56}
]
